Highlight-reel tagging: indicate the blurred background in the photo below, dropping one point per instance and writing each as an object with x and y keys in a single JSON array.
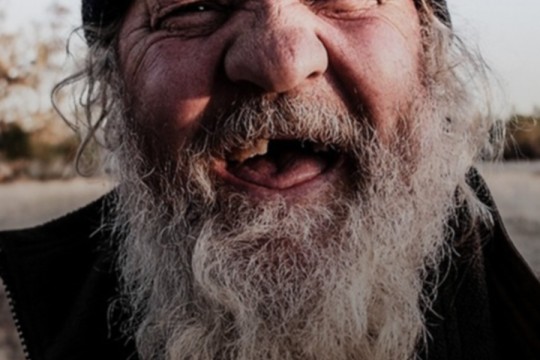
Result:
[{"x": 38, "y": 181}]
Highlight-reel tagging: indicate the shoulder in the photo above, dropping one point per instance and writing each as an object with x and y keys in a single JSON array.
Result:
[
  {"x": 514, "y": 289},
  {"x": 60, "y": 278},
  {"x": 68, "y": 242}
]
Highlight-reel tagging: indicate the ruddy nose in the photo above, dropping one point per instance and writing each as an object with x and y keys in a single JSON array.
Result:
[{"x": 276, "y": 55}]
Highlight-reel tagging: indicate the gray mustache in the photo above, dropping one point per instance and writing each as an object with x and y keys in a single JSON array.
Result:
[{"x": 288, "y": 118}]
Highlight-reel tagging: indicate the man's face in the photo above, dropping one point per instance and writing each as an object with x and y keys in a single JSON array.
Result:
[
  {"x": 185, "y": 63},
  {"x": 286, "y": 176}
]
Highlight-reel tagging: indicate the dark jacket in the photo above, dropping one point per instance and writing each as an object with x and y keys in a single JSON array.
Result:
[{"x": 61, "y": 280}]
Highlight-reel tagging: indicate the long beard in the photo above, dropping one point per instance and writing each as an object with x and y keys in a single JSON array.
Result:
[{"x": 210, "y": 274}]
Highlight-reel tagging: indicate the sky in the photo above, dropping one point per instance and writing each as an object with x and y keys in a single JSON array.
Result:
[
  {"x": 508, "y": 35},
  {"x": 507, "y": 32}
]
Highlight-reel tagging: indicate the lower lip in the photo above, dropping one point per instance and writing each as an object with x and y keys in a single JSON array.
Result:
[{"x": 328, "y": 177}]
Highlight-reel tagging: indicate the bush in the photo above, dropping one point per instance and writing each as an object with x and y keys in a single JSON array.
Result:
[
  {"x": 522, "y": 138},
  {"x": 32, "y": 155},
  {"x": 14, "y": 142}
]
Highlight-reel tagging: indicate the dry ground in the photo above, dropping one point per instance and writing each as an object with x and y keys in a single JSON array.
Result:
[
  {"x": 516, "y": 189},
  {"x": 515, "y": 186},
  {"x": 29, "y": 203}
]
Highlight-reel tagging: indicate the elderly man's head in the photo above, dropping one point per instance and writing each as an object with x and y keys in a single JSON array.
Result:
[{"x": 287, "y": 171}]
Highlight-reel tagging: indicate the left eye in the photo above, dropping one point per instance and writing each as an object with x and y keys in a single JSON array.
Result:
[{"x": 193, "y": 17}]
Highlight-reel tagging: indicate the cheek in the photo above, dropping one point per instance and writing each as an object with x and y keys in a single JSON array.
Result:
[
  {"x": 170, "y": 88},
  {"x": 393, "y": 75},
  {"x": 378, "y": 64}
]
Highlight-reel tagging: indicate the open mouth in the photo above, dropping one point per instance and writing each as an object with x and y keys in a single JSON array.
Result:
[{"x": 280, "y": 164}]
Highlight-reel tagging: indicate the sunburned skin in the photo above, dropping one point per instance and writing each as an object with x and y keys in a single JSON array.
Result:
[{"x": 183, "y": 61}]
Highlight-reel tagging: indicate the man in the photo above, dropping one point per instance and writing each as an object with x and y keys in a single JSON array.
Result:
[{"x": 294, "y": 182}]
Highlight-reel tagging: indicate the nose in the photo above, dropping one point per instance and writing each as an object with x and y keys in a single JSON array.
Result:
[{"x": 277, "y": 55}]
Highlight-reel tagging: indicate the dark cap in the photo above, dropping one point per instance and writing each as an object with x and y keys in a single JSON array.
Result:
[
  {"x": 102, "y": 12},
  {"x": 99, "y": 13}
]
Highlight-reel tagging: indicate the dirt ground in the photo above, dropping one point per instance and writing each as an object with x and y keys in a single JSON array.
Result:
[{"x": 515, "y": 186}]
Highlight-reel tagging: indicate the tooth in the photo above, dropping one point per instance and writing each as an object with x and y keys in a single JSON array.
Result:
[{"x": 260, "y": 147}]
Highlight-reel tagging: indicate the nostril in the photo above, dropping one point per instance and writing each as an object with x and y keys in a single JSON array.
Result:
[
  {"x": 315, "y": 75},
  {"x": 281, "y": 63}
]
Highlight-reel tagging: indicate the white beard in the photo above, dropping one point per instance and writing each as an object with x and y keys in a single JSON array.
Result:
[
  {"x": 212, "y": 275},
  {"x": 209, "y": 274}
]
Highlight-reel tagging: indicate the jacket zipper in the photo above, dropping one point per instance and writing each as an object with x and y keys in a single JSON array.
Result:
[{"x": 12, "y": 306}]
